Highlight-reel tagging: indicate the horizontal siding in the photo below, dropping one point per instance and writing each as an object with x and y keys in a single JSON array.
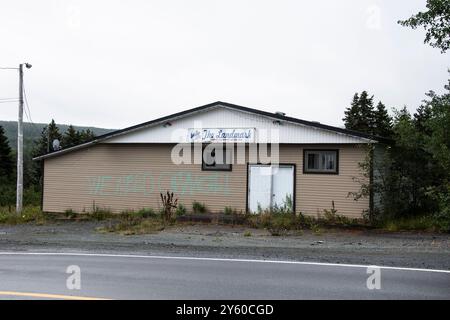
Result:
[{"x": 131, "y": 176}]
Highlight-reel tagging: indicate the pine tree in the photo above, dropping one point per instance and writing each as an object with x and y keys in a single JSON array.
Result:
[
  {"x": 352, "y": 118},
  {"x": 71, "y": 137},
  {"x": 44, "y": 145},
  {"x": 86, "y": 135},
  {"x": 421, "y": 116},
  {"x": 6, "y": 160},
  {"x": 360, "y": 115},
  {"x": 382, "y": 121}
]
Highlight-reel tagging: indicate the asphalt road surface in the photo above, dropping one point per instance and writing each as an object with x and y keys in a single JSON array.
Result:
[{"x": 44, "y": 276}]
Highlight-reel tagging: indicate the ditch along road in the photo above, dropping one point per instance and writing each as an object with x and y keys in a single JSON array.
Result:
[{"x": 216, "y": 262}]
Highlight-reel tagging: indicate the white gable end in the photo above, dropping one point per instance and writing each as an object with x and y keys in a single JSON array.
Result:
[{"x": 266, "y": 129}]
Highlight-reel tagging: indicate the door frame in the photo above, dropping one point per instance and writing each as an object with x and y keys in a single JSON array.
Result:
[{"x": 294, "y": 189}]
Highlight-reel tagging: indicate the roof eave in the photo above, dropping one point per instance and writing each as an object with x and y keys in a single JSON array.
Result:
[{"x": 368, "y": 138}]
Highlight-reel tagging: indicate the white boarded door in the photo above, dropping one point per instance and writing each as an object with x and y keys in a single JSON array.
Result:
[
  {"x": 282, "y": 185},
  {"x": 269, "y": 186},
  {"x": 260, "y": 187}
]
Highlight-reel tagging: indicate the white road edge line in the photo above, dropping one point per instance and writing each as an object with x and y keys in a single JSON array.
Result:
[{"x": 218, "y": 259}]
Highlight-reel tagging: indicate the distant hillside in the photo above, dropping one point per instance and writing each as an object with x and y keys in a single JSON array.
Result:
[{"x": 31, "y": 132}]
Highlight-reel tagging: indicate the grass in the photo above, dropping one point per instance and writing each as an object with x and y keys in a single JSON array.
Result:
[
  {"x": 425, "y": 223},
  {"x": 29, "y": 214},
  {"x": 144, "y": 221},
  {"x": 277, "y": 223},
  {"x": 135, "y": 226}
]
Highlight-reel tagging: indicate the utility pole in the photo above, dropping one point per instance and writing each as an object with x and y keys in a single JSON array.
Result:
[{"x": 19, "y": 194}]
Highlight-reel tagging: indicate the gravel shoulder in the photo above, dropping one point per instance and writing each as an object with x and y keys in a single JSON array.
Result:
[{"x": 418, "y": 250}]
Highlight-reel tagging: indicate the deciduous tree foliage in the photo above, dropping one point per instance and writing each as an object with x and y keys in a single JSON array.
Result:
[
  {"x": 436, "y": 22},
  {"x": 415, "y": 171}
]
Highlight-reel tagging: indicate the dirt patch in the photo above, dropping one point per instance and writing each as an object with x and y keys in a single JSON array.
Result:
[{"x": 422, "y": 250}]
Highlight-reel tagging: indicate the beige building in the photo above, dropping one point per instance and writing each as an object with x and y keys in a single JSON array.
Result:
[{"x": 221, "y": 155}]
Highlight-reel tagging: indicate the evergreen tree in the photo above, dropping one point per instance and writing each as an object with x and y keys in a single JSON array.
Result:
[
  {"x": 86, "y": 135},
  {"x": 421, "y": 116},
  {"x": 360, "y": 115},
  {"x": 382, "y": 121},
  {"x": 44, "y": 145},
  {"x": 6, "y": 160},
  {"x": 71, "y": 137},
  {"x": 7, "y": 191},
  {"x": 352, "y": 117},
  {"x": 45, "y": 142}
]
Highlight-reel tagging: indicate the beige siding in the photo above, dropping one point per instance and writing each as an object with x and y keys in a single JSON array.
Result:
[{"x": 130, "y": 176}]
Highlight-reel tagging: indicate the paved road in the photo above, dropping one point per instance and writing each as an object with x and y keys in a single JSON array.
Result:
[{"x": 139, "y": 277}]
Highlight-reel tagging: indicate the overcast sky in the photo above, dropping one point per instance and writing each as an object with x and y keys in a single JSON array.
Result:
[{"x": 116, "y": 63}]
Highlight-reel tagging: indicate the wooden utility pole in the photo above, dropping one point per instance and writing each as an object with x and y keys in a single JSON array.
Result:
[{"x": 19, "y": 194}]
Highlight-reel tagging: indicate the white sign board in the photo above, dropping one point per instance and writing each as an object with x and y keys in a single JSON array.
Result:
[{"x": 246, "y": 135}]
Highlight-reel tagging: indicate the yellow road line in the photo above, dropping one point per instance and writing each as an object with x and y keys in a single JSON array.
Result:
[{"x": 46, "y": 296}]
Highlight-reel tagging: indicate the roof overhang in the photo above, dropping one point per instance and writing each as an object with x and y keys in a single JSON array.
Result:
[{"x": 365, "y": 138}]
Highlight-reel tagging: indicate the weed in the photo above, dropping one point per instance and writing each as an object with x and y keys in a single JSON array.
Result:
[
  {"x": 146, "y": 213},
  {"x": 29, "y": 214},
  {"x": 69, "y": 213},
  {"x": 228, "y": 211},
  {"x": 169, "y": 202},
  {"x": 181, "y": 210},
  {"x": 425, "y": 223},
  {"x": 198, "y": 207},
  {"x": 135, "y": 225}
]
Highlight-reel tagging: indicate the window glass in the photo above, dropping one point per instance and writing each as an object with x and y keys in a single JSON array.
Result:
[
  {"x": 216, "y": 158},
  {"x": 320, "y": 161}
]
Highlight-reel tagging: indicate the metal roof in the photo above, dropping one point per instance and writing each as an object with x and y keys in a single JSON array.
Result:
[{"x": 277, "y": 116}]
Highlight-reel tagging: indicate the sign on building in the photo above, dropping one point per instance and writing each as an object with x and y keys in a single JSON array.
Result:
[{"x": 246, "y": 135}]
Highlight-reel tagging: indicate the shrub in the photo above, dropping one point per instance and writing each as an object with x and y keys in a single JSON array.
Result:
[
  {"x": 146, "y": 213},
  {"x": 228, "y": 211},
  {"x": 331, "y": 218},
  {"x": 277, "y": 220},
  {"x": 69, "y": 213},
  {"x": 198, "y": 207},
  {"x": 32, "y": 196},
  {"x": 7, "y": 194},
  {"x": 99, "y": 214},
  {"x": 181, "y": 210}
]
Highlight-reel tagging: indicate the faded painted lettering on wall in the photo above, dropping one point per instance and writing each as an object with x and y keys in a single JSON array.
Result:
[{"x": 147, "y": 183}]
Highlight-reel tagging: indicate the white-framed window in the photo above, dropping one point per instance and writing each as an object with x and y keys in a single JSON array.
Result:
[{"x": 321, "y": 161}]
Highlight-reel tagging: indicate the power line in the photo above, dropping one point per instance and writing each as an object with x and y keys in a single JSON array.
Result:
[
  {"x": 26, "y": 102},
  {"x": 6, "y": 101},
  {"x": 28, "y": 107}
]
